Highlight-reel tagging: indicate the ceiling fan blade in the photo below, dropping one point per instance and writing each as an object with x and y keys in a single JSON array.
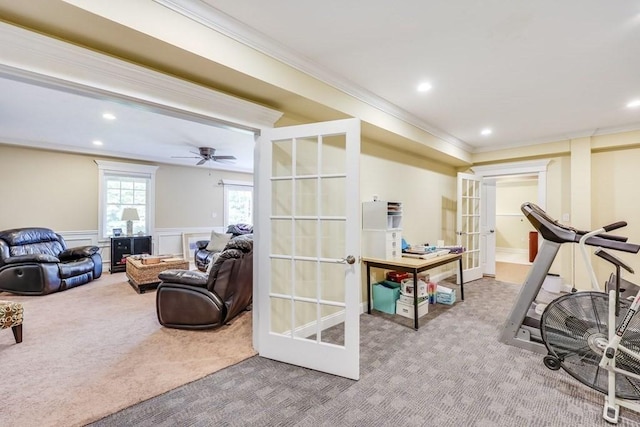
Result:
[
  {"x": 201, "y": 162},
  {"x": 185, "y": 157},
  {"x": 216, "y": 158}
]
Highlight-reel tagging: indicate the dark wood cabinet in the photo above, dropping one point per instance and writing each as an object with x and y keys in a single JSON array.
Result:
[{"x": 122, "y": 247}]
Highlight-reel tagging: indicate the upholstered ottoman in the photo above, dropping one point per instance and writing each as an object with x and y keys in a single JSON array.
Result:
[{"x": 11, "y": 317}]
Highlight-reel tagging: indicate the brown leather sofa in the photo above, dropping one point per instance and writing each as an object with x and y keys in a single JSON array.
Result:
[
  {"x": 203, "y": 256},
  {"x": 194, "y": 300},
  {"x": 36, "y": 261}
]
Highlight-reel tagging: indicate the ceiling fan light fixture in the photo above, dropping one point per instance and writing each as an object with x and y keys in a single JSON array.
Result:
[{"x": 206, "y": 154}]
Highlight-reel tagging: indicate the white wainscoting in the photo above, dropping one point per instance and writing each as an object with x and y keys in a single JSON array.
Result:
[
  {"x": 513, "y": 255},
  {"x": 169, "y": 240},
  {"x": 166, "y": 241}
]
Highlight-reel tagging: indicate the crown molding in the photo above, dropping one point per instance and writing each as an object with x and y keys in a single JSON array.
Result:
[
  {"x": 89, "y": 151},
  {"x": 207, "y": 15},
  {"x": 564, "y": 137},
  {"x": 30, "y": 56}
]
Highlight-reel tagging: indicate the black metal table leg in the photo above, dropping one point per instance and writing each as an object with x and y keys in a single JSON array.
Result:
[
  {"x": 368, "y": 289},
  {"x": 461, "y": 282}
]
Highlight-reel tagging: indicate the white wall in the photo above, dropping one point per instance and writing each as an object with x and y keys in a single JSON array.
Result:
[{"x": 512, "y": 227}]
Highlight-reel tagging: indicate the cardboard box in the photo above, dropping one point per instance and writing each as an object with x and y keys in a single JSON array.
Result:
[
  {"x": 406, "y": 310},
  {"x": 446, "y": 297},
  {"x": 397, "y": 276},
  {"x": 407, "y": 288},
  {"x": 408, "y": 299}
]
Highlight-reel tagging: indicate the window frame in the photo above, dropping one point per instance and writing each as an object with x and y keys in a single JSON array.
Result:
[
  {"x": 133, "y": 170},
  {"x": 229, "y": 185}
]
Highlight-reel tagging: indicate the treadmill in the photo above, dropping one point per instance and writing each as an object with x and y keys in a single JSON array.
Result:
[{"x": 522, "y": 327}]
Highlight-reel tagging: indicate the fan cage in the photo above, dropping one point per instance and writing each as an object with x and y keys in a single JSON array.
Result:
[{"x": 574, "y": 328}]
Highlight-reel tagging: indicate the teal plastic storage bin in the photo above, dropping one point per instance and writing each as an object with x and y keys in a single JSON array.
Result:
[{"x": 384, "y": 298}]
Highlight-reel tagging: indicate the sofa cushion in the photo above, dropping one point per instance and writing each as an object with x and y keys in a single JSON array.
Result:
[
  {"x": 184, "y": 277},
  {"x": 26, "y": 236},
  {"x": 75, "y": 268},
  {"x": 78, "y": 252},
  {"x": 238, "y": 229},
  {"x": 243, "y": 242},
  {"x": 218, "y": 241},
  {"x": 224, "y": 255}
]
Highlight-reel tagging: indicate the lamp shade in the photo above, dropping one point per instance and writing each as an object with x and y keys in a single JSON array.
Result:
[{"x": 130, "y": 214}]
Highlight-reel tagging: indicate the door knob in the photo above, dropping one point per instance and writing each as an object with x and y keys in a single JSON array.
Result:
[
  {"x": 492, "y": 231},
  {"x": 350, "y": 259}
]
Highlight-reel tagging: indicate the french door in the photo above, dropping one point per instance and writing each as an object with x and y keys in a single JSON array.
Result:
[
  {"x": 468, "y": 225},
  {"x": 308, "y": 284}
]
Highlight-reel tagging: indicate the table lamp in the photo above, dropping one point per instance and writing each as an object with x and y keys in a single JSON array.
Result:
[{"x": 130, "y": 215}]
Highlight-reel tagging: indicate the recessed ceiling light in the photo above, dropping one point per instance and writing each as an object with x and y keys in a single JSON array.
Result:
[
  {"x": 424, "y": 87},
  {"x": 108, "y": 116},
  {"x": 486, "y": 131},
  {"x": 96, "y": 142},
  {"x": 633, "y": 104}
]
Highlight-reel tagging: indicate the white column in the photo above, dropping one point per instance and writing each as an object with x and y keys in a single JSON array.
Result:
[{"x": 580, "y": 202}]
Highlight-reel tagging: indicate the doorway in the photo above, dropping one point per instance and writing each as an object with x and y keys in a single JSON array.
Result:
[
  {"x": 512, "y": 183},
  {"x": 515, "y": 245}
]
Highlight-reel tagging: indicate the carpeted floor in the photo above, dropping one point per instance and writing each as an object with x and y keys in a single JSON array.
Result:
[
  {"x": 451, "y": 372},
  {"x": 93, "y": 350},
  {"x": 512, "y": 272}
]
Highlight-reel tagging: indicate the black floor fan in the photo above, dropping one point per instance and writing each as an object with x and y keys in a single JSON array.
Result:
[{"x": 574, "y": 329}]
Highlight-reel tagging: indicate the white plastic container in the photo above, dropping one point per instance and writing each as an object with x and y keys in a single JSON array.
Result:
[{"x": 552, "y": 284}]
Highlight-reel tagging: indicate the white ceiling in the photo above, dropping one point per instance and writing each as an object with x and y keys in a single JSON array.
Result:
[
  {"x": 532, "y": 71},
  {"x": 45, "y": 117}
]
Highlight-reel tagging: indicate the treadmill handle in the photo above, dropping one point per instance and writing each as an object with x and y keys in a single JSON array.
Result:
[{"x": 615, "y": 226}]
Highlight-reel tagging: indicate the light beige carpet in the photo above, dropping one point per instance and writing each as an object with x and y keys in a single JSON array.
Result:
[
  {"x": 512, "y": 272},
  {"x": 90, "y": 351}
]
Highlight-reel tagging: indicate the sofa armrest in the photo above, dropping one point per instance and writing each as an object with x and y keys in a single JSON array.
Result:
[
  {"x": 22, "y": 259},
  {"x": 188, "y": 307},
  {"x": 184, "y": 277},
  {"x": 77, "y": 252},
  {"x": 202, "y": 244}
]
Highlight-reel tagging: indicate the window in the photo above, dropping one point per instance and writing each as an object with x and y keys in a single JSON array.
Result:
[
  {"x": 238, "y": 202},
  {"x": 125, "y": 185}
]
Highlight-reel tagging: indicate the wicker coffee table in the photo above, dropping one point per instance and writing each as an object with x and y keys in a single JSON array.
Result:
[{"x": 143, "y": 277}]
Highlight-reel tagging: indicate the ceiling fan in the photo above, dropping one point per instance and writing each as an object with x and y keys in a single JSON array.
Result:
[{"x": 205, "y": 154}]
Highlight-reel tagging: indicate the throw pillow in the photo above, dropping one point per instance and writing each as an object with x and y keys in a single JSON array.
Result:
[{"x": 218, "y": 241}]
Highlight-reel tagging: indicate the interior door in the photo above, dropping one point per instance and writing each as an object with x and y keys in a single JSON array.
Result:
[
  {"x": 308, "y": 281},
  {"x": 468, "y": 225},
  {"x": 488, "y": 227}
]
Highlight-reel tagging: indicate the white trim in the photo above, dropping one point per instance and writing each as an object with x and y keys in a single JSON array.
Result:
[
  {"x": 124, "y": 167},
  {"x": 131, "y": 169},
  {"x": 512, "y": 168},
  {"x": 538, "y": 167},
  {"x": 243, "y": 186},
  {"x": 38, "y": 59}
]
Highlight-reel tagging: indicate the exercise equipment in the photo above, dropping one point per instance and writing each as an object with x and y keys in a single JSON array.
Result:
[
  {"x": 522, "y": 327},
  {"x": 595, "y": 336}
]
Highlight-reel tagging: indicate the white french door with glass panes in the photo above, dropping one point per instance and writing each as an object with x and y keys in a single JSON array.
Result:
[
  {"x": 308, "y": 240},
  {"x": 468, "y": 225}
]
